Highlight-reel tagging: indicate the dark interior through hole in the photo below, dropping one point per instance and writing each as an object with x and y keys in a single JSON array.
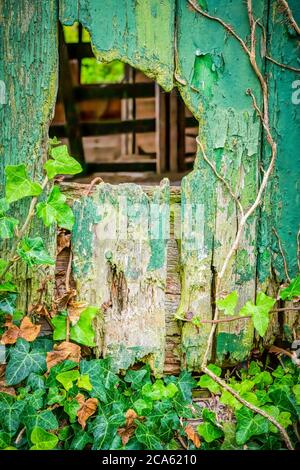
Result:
[{"x": 119, "y": 123}]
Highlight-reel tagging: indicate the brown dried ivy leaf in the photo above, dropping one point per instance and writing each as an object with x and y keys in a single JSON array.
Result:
[
  {"x": 28, "y": 330},
  {"x": 74, "y": 311},
  {"x": 87, "y": 408},
  {"x": 127, "y": 432},
  {"x": 6, "y": 389},
  {"x": 63, "y": 241},
  {"x": 192, "y": 435},
  {"x": 11, "y": 335},
  {"x": 61, "y": 352}
]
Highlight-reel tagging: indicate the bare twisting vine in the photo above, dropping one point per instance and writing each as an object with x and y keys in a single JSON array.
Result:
[{"x": 263, "y": 114}]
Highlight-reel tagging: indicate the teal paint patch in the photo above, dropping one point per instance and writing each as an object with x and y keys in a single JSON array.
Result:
[
  {"x": 231, "y": 347},
  {"x": 82, "y": 236},
  {"x": 244, "y": 270},
  {"x": 204, "y": 74}
]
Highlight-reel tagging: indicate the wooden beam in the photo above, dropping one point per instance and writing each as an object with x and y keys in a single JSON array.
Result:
[
  {"x": 114, "y": 90},
  {"x": 107, "y": 127},
  {"x": 161, "y": 130}
]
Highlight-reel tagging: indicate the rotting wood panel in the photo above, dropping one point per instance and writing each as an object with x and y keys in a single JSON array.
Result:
[
  {"x": 216, "y": 73},
  {"x": 281, "y": 208},
  {"x": 29, "y": 69},
  {"x": 138, "y": 32},
  {"x": 119, "y": 245}
]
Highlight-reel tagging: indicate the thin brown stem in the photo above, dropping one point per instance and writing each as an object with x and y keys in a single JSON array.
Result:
[
  {"x": 251, "y": 407},
  {"x": 96, "y": 180},
  {"x": 220, "y": 177},
  {"x": 285, "y": 66},
  {"x": 290, "y": 16},
  {"x": 282, "y": 254}
]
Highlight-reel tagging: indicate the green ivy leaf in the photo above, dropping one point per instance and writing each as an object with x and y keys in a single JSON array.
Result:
[
  {"x": 93, "y": 369},
  {"x": 23, "y": 361},
  {"x": 59, "y": 323},
  {"x": 10, "y": 412},
  {"x": 4, "y": 440},
  {"x": 285, "y": 402},
  {"x": 55, "y": 209},
  {"x": 18, "y": 185},
  {"x": 71, "y": 407},
  {"x": 229, "y": 442},
  {"x": 84, "y": 382},
  {"x": 259, "y": 312},
  {"x": 80, "y": 441},
  {"x": 104, "y": 430},
  {"x": 148, "y": 437},
  {"x": 67, "y": 378},
  {"x": 292, "y": 291},
  {"x": 7, "y": 227},
  {"x": 207, "y": 382},
  {"x": 56, "y": 395},
  {"x": 229, "y": 303},
  {"x": 209, "y": 431},
  {"x": 8, "y": 287},
  {"x": 249, "y": 425},
  {"x": 43, "y": 440},
  {"x": 83, "y": 332},
  {"x": 61, "y": 163},
  {"x": 227, "y": 399},
  {"x": 42, "y": 419},
  {"x": 137, "y": 377},
  {"x": 143, "y": 406},
  {"x": 186, "y": 383},
  {"x": 158, "y": 390},
  {"x": 296, "y": 390},
  {"x": 33, "y": 252}
]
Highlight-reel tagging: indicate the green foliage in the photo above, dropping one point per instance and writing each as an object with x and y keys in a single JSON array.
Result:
[
  {"x": 292, "y": 291},
  {"x": 61, "y": 163},
  {"x": 7, "y": 224},
  {"x": 32, "y": 251},
  {"x": 229, "y": 303},
  {"x": 18, "y": 185},
  {"x": 259, "y": 312},
  {"x": 24, "y": 358},
  {"x": 55, "y": 210},
  {"x": 43, "y": 440},
  {"x": 82, "y": 332}
]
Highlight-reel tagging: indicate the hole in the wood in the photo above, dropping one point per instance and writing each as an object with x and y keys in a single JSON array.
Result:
[{"x": 117, "y": 121}]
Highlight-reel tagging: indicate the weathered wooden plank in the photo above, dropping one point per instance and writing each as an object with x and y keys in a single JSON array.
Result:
[
  {"x": 214, "y": 74},
  {"x": 119, "y": 259},
  {"x": 28, "y": 67},
  {"x": 109, "y": 127},
  {"x": 281, "y": 208},
  {"x": 134, "y": 32}
]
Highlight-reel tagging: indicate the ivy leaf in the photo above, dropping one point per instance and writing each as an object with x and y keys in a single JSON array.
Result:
[
  {"x": 83, "y": 332},
  {"x": 93, "y": 369},
  {"x": 67, "y": 378},
  {"x": 43, "y": 440},
  {"x": 104, "y": 431},
  {"x": 61, "y": 163},
  {"x": 159, "y": 391},
  {"x": 148, "y": 437},
  {"x": 56, "y": 395},
  {"x": 249, "y": 425},
  {"x": 56, "y": 210},
  {"x": 207, "y": 382},
  {"x": 209, "y": 431},
  {"x": 137, "y": 377},
  {"x": 18, "y": 185},
  {"x": 292, "y": 291},
  {"x": 296, "y": 390},
  {"x": 186, "y": 383},
  {"x": 229, "y": 303},
  {"x": 33, "y": 252},
  {"x": 42, "y": 419},
  {"x": 285, "y": 402},
  {"x": 81, "y": 439},
  {"x": 10, "y": 412},
  {"x": 22, "y": 362},
  {"x": 7, "y": 227},
  {"x": 259, "y": 312},
  {"x": 4, "y": 440},
  {"x": 84, "y": 382},
  {"x": 59, "y": 323}
]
